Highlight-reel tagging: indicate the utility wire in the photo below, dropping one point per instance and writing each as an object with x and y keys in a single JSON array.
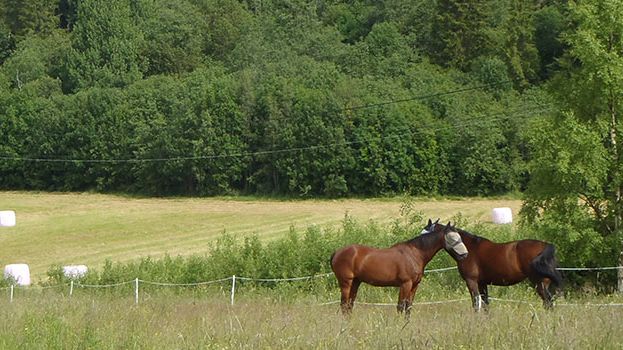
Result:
[
  {"x": 424, "y": 97},
  {"x": 467, "y": 122}
]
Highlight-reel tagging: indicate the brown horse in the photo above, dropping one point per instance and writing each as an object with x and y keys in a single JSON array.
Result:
[
  {"x": 401, "y": 265},
  {"x": 504, "y": 264}
]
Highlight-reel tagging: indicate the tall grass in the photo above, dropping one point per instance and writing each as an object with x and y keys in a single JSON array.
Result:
[{"x": 257, "y": 321}]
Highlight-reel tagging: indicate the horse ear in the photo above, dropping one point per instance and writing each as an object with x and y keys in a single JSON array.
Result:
[
  {"x": 448, "y": 225},
  {"x": 437, "y": 221},
  {"x": 430, "y": 222}
]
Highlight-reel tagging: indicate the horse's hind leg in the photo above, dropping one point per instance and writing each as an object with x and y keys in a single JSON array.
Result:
[
  {"x": 484, "y": 294},
  {"x": 542, "y": 288},
  {"x": 346, "y": 303},
  {"x": 353, "y": 291}
]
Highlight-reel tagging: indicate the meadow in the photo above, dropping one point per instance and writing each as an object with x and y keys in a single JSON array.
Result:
[
  {"x": 74, "y": 228},
  {"x": 259, "y": 322},
  {"x": 86, "y": 228}
]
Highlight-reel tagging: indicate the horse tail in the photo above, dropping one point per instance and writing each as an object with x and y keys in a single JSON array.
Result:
[{"x": 546, "y": 265}]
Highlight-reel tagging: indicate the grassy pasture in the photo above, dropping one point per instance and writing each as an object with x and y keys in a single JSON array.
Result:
[
  {"x": 83, "y": 322},
  {"x": 86, "y": 228},
  {"x": 89, "y": 228}
]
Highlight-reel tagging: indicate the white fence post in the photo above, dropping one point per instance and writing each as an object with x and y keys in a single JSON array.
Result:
[
  {"x": 136, "y": 291},
  {"x": 233, "y": 288},
  {"x": 12, "y": 287},
  {"x": 71, "y": 288}
]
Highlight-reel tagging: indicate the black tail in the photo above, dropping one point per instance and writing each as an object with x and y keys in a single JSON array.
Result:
[
  {"x": 546, "y": 265},
  {"x": 331, "y": 259}
]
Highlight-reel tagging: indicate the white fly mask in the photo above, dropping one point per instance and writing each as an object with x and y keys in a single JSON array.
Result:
[{"x": 454, "y": 243}]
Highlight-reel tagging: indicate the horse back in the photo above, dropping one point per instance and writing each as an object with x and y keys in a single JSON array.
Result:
[
  {"x": 501, "y": 263},
  {"x": 528, "y": 250},
  {"x": 380, "y": 267}
]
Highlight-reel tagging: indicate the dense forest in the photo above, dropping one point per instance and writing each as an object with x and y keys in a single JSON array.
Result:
[
  {"x": 325, "y": 98},
  {"x": 295, "y": 98}
]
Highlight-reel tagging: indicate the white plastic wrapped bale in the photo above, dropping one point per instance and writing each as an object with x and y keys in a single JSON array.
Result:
[
  {"x": 502, "y": 215},
  {"x": 75, "y": 271},
  {"x": 20, "y": 273},
  {"x": 7, "y": 218}
]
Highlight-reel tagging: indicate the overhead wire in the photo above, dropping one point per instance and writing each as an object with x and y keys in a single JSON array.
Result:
[
  {"x": 466, "y": 122},
  {"x": 427, "y": 96}
]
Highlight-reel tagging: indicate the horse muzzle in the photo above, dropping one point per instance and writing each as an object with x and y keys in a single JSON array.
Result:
[{"x": 454, "y": 243}]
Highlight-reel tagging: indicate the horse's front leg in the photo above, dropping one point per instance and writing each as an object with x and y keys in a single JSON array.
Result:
[
  {"x": 474, "y": 291},
  {"x": 411, "y": 295},
  {"x": 403, "y": 296}
]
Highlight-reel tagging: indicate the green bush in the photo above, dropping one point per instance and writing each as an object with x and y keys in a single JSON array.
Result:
[{"x": 299, "y": 253}]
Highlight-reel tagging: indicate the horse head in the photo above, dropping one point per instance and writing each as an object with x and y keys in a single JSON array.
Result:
[
  {"x": 430, "y": 227},
  {"x": 454, "y": 243}
]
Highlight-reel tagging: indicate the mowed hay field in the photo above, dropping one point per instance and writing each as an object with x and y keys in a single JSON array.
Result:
[{"x": 86, "y": 228}]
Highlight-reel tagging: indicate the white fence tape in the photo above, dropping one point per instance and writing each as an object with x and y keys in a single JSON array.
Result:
[
  {"x": 589, "y": 268},
  {"x": 558, "y": 304},
  {"x": 233, "y": 279},
  {"x": 166, "y": 284},
  {"x": 103, "y": 285},
  {"x": 413, "y": 304}
]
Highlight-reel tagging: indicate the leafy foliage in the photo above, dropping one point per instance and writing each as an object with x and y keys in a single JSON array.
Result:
[
  {"x": 575, "y": 189},
  {"x": 206, "y": 97}
]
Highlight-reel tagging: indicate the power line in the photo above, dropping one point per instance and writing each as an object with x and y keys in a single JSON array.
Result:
[
  {"x": 419, "y": 97},
  {"x": 468, "y": 122},
  {"x": 424, "y": 97},
  {"x": 413, "y": 98}
]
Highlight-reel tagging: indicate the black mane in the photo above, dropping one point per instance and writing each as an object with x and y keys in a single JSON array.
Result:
[
  {"x": 423, "y": 241},
  {"x": 470, "y": 235}
]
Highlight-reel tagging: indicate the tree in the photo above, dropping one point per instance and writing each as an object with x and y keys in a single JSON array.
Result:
[
  {"x": 461, "y": 32},
  {"x": 35, "y": 58},
  {"x": 32, "y": 16},
  {"x": 174, "y": 36},
  {"x": 548, "y": 25},
  {"x": 589, "y": 89},
  {"x": 106, "y": 46},
  {"x": 518, "y": 47}
]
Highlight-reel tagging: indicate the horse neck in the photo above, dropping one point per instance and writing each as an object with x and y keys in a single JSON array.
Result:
[
  {"x": 471, "y": 241},
  {"x": 427, "y": 245}
]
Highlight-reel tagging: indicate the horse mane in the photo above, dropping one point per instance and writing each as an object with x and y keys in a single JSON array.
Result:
[
  {"x": 422, "y": 241},
  {"x": 473, "y": 237}
]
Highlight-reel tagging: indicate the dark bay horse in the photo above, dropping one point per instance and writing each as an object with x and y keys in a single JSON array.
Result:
[
  {"x": 504, "y": 264},
  {"x": 401, "y": 265}
]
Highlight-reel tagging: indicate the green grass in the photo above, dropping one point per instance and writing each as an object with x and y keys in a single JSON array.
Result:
[
  {"x": 85, "y": 228},
  {"x": 89, "y": 228},
  {"x": 259, "y": 322}
]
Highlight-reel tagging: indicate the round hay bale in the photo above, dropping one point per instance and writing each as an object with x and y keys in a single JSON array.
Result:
[
  {"x": 7, "y": 218},
  {"x": 20, "y": 273},
  {"x": 502, "y": 215},
  {"x": 75, "y": 271}
]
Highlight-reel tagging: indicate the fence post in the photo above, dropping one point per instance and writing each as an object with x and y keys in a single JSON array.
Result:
[
  {"x": 233, "y": 288},
  {"x": 136, "y": 291},
  {"x": 71, "y": 288},
  {"x": 11, "y": 297}
]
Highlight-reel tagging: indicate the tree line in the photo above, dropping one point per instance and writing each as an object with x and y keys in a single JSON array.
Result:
[{"x": 295, "y": 98}]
